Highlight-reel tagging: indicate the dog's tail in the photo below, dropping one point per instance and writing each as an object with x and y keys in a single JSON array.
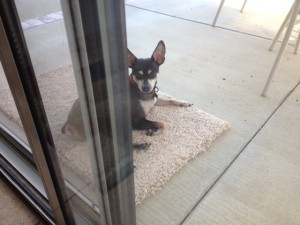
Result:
[{"x": 63, "y": 129}]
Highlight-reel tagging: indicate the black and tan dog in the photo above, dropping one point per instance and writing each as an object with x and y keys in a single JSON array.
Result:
[{"x": 143, "y": 81}]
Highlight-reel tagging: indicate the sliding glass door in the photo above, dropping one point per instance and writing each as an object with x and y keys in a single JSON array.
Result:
[{"x": 65, "y": 109}]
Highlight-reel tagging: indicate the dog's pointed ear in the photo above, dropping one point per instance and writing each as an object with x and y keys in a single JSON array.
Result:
[
  {"x": 159, "y": 53},
  {"x": 131, "y": 59}
]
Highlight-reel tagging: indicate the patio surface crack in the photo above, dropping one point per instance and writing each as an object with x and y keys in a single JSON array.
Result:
[
  {"x": 199, "y": 22},
  {"x": 242, "y": 150}
]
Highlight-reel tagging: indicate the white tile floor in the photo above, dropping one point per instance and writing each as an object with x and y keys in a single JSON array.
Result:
[{"x": 250, "y": 175}]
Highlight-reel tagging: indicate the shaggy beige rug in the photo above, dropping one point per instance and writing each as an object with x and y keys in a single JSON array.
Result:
[{"x": 188, "y": 132}]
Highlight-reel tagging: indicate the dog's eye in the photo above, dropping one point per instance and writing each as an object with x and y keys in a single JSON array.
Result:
[
  {"x": 152, "y": 75},
  {"x": 139, "y": 76}
]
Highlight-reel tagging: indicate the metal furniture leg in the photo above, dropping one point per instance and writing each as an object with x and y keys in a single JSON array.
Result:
[
  {"x": 297, "y": 44},
  {"x": 242, "y": 9},
  {"x": 218, "y": 13},
  {"x": 283, "y": 25},
  {"x": 295, "y": 9}
]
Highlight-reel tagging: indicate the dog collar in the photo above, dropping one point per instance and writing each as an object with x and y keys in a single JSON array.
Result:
[{"x": 132, "y": 81}]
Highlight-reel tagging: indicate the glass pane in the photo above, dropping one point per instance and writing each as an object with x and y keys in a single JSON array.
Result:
[
  {"x": 76, "y": 139},
  {"x": 45, "y": 34},
  {"x": 9, "y": 116},
  {"x": 17, "y": 162}
]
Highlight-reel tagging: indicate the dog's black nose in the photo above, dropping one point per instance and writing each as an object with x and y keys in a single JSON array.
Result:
[{"x": 146, "y": 88}]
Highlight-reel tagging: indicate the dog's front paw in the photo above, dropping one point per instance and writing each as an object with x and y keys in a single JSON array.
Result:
[
  {"x": 142, "y": 147},
  {"x": 150, "y": 132},
  {"x": 186, "y": 104}
]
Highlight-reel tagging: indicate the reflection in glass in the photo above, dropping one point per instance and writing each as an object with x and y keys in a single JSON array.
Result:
[
  {"x": 46, "y": 39},
  {"x": 9, "y": 116}
]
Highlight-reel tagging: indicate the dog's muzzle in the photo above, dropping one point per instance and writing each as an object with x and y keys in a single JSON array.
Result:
[{"x": 146, "y": 87}]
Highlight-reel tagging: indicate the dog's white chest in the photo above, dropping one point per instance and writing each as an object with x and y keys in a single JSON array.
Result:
[{"x": 147, "y": 105}]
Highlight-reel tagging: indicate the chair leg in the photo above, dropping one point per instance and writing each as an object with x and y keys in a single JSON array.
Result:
[
  {"x": 283, "y": 25},
  {"x": 218, "y": 13},
  {"x": 294, "y": 11},
  {"x": 297, "y": 44},
  {"x": 242, "y": 9}
]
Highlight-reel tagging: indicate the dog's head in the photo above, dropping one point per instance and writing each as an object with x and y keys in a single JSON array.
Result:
[{"x": 145, "y": 71}]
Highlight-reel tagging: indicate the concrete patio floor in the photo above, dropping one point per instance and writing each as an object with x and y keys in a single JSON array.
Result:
[{"x": 249, "y": 175}]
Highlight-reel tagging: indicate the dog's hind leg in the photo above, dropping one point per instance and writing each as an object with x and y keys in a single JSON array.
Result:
[{"x": 150, "y": 126}]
